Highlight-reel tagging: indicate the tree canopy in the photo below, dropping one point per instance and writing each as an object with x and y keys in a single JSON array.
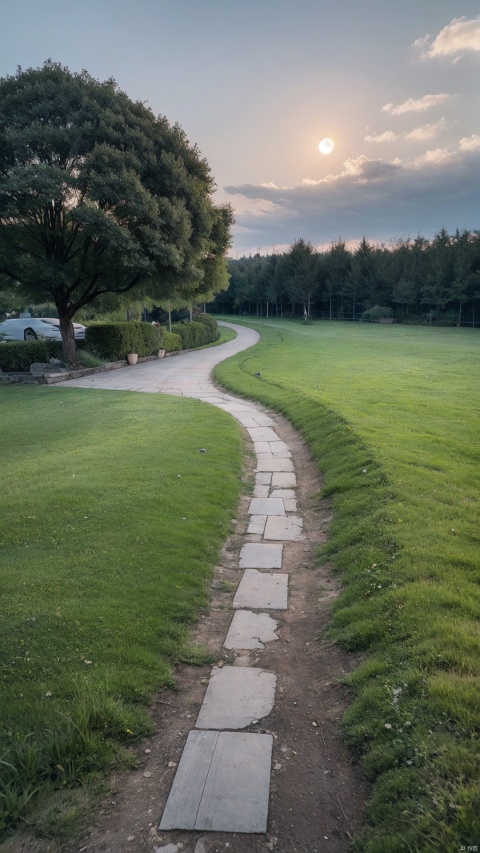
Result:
[{"x": 97, "y": 195}]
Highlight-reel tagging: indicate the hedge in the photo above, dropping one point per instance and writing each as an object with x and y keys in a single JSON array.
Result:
[
  {"x": 211, "y": 324},
  {"x": 113, "y": 341},
  {"x": 19, "y": 355},
  {"x": 197, "y": 333},
  {"x": 170, "y": 342}
]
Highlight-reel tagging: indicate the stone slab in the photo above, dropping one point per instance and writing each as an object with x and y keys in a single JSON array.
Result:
[
  {"x": 257, "y": 524},
  {"x": 288, "y": 529},
  {"x": 250, "y": 630},
  {"x": 235, "y": 697},
  {"x": 263, "y": 479},
  {"x": 274, "y": 464},
  {"x": 262, "y": 434},
  {"x": 283, "y": 493},
  {"x": 256, "y": 555},
  {"x": 222, "y": 783},
  {"x": 290, "y": 505},
  {"x": 266, "y": 506},
  {"x": 283, "y": 480},
  {"x": 262, "y": 591},
  {"x": 261, "y": 491}
]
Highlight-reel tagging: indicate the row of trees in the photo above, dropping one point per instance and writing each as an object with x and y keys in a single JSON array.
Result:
[
  {"x": 98, "y": 196},
  {"x": 419, "y": 280}
]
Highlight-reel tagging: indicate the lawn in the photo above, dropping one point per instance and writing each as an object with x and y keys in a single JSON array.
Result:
[
  {"x": 391, "y": 414},
  {"x": 111, "y": 524}
]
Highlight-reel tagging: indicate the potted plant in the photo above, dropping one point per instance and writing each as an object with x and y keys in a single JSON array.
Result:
[{"x": 132, "y": 357}]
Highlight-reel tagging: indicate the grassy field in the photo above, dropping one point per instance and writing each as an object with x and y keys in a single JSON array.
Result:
[
  {"x": 111, "y": 523},
  {"x": 391, "y": 414}
]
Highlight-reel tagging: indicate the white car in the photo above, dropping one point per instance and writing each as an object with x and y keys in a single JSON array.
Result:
[
  {"x": 78, "y": 328},
  {"x": 31, "y": 328}
]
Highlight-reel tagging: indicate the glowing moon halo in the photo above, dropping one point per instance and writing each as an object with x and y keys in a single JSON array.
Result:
[{"x": 326, "y": 146}]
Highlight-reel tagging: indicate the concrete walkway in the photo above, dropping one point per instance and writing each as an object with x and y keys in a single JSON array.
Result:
[{"x": 223, "y": 778}]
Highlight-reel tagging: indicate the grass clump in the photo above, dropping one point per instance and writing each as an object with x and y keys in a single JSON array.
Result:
[
  {"x": 111, "y": 522},
  {"x": 391, "y": 415}
]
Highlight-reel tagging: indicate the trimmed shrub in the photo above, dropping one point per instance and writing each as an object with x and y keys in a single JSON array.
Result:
[
  {"x": 192, "y": 334},
  {"x": 170, "y": 342},
  {"x": 19, "y": 355},
  {"x": 113, "y": 341},
  {"x": 211, "y": 325}
]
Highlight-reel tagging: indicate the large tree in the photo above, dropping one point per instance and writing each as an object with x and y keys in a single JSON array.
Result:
[{"x": 97, "y": 195}]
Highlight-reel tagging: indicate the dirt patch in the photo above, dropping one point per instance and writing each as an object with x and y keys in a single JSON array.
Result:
[{"x": 316, "y": 797}]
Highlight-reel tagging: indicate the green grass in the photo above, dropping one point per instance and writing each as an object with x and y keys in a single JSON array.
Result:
[
  {"x": 391, "y": 414},
  {"x": 111, "y": 524}
]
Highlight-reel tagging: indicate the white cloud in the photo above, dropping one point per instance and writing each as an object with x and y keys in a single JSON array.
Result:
[
  {"x": 470, "y": 143},
  {"x": 387, "y": 136},
  {"x": 416, "y": 105},
  {"x": 460, "y": 35},
  {"x": 426, "y": 131}
]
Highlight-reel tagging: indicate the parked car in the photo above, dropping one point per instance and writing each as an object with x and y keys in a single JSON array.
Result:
[
  {"x": 78, "y": 328},
  {"x": 31, "y": 328}
]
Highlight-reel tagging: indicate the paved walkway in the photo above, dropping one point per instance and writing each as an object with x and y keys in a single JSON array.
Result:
[{"x": 223, "y": 778}]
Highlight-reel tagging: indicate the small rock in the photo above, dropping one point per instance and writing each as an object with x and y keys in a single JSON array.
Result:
[
  {"x": 147, "y": 774},
  {"x": 277, "y": 766},
  {"x": 147, "y": 751},
  {"x": 200, "y": 846},
  {"x": 314, "y": 724},
  {"x": 131, "y": 838},
  {"x": 172, "y": 764}
]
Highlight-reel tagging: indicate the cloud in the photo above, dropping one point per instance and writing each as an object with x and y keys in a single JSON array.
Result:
[
  {"x": 459, "y": 36},
  {"x": 426, "y": 131},
  {"x": 416, "y": 105},
  {"x": 386, "y": 136},
  {"x": 470, "y": 143},
  {"x": 378, "y": 198}
]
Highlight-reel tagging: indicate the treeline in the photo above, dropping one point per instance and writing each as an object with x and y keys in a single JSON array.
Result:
[{"x": 416, "y": 280}]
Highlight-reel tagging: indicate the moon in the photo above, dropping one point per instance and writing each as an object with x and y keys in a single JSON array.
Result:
[{"x": 326, "y": 146}]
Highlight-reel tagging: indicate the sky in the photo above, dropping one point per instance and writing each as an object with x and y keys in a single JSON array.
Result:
[{"x": 256, "y": 84}]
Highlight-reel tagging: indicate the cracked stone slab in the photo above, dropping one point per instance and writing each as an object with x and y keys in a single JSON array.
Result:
[
  {"x": 262, "y": 591},
  {"x": 288, "y": 529},
  {"x": 255, "y": 555},
  {"x": 250, "y": 630},
  {"x": 284, "y": 480},
  {"x": 287, "y": 495},
  {"x": 222, "y": 783},
  {"x": 274, "y": 464},
  {"x": 257, "y": 524},
  {"x": 235, "y": 697},
  {"x": 266, "y": 506},
  {"x": 261, "y": 491}
]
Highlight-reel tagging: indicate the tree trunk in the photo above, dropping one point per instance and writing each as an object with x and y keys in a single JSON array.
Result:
[
  {"x": 68, "y": 337},
  {"x": 169, "y": 316}
]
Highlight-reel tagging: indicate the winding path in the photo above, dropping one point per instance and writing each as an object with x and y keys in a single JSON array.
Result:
[{"x": 223, "y": 779}]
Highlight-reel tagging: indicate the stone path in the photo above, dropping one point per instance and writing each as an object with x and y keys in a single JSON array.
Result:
[{"x": 223, "y": 779}]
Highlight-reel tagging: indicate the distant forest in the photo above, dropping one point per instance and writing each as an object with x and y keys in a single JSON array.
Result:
[{"x": 413, "y": 281}]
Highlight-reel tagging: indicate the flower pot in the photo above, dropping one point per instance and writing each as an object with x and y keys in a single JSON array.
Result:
[
  {"x": 161, "y": 353},
  {"x": 132, "y": 357}
]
